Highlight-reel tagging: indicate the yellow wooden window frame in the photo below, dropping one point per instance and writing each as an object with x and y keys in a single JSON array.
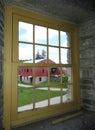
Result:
[{"x": 10, "y": 116}]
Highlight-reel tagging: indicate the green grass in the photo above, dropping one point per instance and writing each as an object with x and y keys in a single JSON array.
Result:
[
  {"x": 53, "y": 84},
  {"x": 26, "y": 96},
  {"x": 25, "y": 83}
]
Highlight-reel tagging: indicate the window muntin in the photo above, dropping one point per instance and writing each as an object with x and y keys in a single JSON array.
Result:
[{"x": 47, "y": 47}]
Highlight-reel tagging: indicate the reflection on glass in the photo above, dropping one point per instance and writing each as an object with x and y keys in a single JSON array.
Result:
[
  {"x": 53, "y": 55},
  {"x": 40, "y": 35},
  {"x": 65, "y": 56},
  {"x": 53, "y": 37},
  {"x": 25, "y": 32},
  {"x": 55, "y": 88},
  {"x": 64, "y": 39},
  {"x": 40, "y": 54},
  {"x": 25, "y": 53}
]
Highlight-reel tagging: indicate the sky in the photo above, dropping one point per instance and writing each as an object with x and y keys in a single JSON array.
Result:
[{"x": 26, "y": 35}]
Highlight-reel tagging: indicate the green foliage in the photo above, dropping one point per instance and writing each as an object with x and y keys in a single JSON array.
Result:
[{"x": 65, "y": 81}]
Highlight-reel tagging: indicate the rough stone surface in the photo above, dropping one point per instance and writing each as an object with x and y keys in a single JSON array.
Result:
[
  {"x": 86, "y": 39},
  {"x": 87, "y": 63},
  {"x": 69, "y": 10}
]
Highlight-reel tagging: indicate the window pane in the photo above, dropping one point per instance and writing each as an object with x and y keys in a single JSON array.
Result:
[
  {"x": 25, "y": 32},
  {"x": 25, "y": 100},
  {"x": 40, "y": 54},
  {"x": 64, "y": 39},
  {"x": 25, "y": 74},
  {"x": 25, "y": 53},
  {"x": 41, "y": 97},
  {"x": 65, "y": 56},
  {"x": 41, "y": 76},
  {"x": 55, "y": 86},
  {"x": 41, "y": 87},
  {"x": 53, "y": 55},
  {"x": 66, "y": 83},
  {"x": 40, "y": 35},
  {"x": 53, "y": 37},
  {"x": 67, "y": 94},
  {"x": 67, "y": 73}
]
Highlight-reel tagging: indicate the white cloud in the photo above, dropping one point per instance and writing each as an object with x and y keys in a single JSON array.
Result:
[
  {"x": 25, "y": 51},
  {"x": 27, "y": 35}
]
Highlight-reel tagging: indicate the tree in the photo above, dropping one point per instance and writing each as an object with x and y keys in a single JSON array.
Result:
[{"x": 43, "y": 54}]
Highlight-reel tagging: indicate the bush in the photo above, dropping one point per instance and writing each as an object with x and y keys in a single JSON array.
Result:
[{"x": 65, "y": 81}]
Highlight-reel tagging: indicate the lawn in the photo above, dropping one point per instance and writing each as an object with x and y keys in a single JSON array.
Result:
[{"x": 26, "y": 96}]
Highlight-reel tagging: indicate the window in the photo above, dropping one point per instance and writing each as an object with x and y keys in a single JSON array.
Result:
[
  {"x": 45, "y": 47},
  {"x": 40, "y": 79},
  {"x": 43, "y": 64}
]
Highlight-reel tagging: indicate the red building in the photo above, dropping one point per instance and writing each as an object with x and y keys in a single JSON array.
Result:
[{"x": 27, "y": 73}]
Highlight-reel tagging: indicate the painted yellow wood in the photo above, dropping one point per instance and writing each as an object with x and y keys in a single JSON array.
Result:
[
  {"x": 62, "y": 119},
  {"x": 47, "y": 20},
  {"x": 11, "y": 115},
  {"x": 7, "y": 68},
  {"x": 42, "y": 113},
  {"x": 77, "y": 64}
]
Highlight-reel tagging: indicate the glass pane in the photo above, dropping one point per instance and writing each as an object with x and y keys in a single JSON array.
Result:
[
  {"x": 53, "y": 37},
  {"x": 40, "y": 35},
  {"x": 64, "y": 39},
  {"x": 25, "y": 32},
  {"x": 55, "y": 88},
  {"x": 65, "y": 56},
  {"x": 66, "y": 76},
  {"x": 41, "y": 97},
  {"x": 53, "y": 55},
  {"x": 67, "y": 94},
  {"x": 25, "y": 53},
  {"x": 25, "y": 100},
  {"x": 41, "y": 84},
  {"x": 41, "y": 76},
  {"x": 66, "y": 83},
  {"x": 25, "y": 88},
  {"x": 40, "y": 54}
]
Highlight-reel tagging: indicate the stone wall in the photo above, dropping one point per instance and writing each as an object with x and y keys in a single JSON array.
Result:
[
  {"x": 87, "y": 64},
  {"x": 1, "y": 54}
]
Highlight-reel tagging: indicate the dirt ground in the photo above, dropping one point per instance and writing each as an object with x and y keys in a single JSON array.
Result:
[{"x": 85, "y": 121}]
